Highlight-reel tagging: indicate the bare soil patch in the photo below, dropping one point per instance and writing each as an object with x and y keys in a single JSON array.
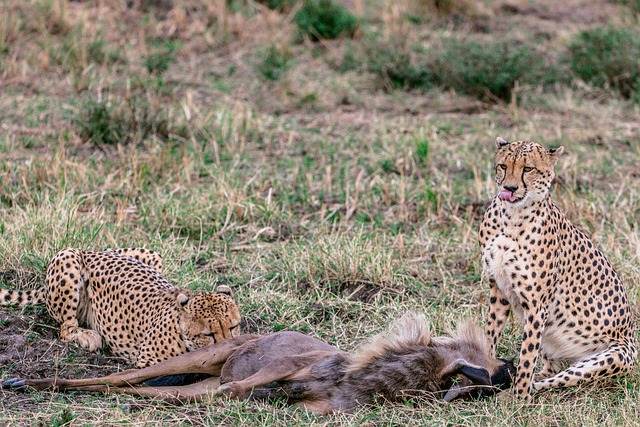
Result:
[{"x": 30, "y": 348}]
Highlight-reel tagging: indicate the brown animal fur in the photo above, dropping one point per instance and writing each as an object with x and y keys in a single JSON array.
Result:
[{"x": 308, "y": 372}]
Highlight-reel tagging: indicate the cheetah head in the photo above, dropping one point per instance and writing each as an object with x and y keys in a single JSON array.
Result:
[
  {"x": 208, "y": 317},
  {"x": 524, "y": 171}
]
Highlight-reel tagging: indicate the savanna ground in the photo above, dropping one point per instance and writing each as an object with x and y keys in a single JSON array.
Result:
[{"x": 334, "y": 181}]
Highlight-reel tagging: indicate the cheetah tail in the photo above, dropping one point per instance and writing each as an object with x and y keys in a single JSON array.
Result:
[{"x": 22, "y": 298}]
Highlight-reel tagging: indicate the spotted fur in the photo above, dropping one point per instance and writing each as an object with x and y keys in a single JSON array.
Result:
[
  {"x": 120, "y": 295},
  {"x": 573, "y": 305}
]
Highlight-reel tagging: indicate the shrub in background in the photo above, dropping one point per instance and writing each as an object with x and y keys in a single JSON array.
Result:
[
  {"x": 161, "y": 55},
  {"x": 97, "y": 122},
  {"x": 274, "y": 62},
  {"x": 490, "y": 70},
  {"x": 399, "y": 69},
  {"x": 608, "y": 57},
  {"x": 131, "y": 121},
  {"x": 325, "y": 19}
]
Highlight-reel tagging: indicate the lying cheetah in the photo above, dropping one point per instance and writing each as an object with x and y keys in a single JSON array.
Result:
[
  {"x": 573, "y": 304},
  {"x": 122, "y": 298}
]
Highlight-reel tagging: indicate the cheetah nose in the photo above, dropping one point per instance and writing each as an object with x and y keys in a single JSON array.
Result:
[{"x": 511, "y": 188}]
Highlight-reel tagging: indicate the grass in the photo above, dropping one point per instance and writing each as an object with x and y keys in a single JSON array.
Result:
[{"x": 331, "y": 217}]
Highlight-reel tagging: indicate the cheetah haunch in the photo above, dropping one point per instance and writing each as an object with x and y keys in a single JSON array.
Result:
[
  {"x": 573, "y": 305},
  {"x": 298, "y": 369},
  {"x": 121, "y": 296}
]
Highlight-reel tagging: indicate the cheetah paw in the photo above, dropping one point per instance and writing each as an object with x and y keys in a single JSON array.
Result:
[{"x": 86, "y": 338}]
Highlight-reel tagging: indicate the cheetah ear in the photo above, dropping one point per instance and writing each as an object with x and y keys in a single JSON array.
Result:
[
  {"x": 225, "y": 290},
  {"x": 555, "y": 153},
  {"x": 182, "y": 299},
  {"x": 501, "y": 142}
]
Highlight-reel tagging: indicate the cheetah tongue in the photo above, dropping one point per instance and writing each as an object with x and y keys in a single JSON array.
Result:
[{"x": 507, "y": 195}]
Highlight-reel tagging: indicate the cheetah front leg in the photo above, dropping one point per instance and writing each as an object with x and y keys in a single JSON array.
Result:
[
  {"x": 615, "y": 359},
  {"x": 66, "y": 298},
  {"x": 499, "y": 308},
  {"x": 529, "y": 351}
]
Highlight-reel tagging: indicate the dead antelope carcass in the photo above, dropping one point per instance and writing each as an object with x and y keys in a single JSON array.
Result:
[{"x": 293, "y": 367}]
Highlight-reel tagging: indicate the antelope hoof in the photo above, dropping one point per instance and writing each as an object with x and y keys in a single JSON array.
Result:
[
  {"x": 230, "y": 390},
  {"x": 14, "y": 384}
]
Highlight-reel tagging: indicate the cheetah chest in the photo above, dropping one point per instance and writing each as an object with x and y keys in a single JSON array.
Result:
[
  {"x": 501, "y": 262},
  {"x": 506, "y": 261}
]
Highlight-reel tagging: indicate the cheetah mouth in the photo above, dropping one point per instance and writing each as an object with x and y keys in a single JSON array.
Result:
[{"x": 508, "y": 196}]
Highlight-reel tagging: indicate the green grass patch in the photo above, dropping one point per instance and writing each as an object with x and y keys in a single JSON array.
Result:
[{"x": 356, "y": 264}]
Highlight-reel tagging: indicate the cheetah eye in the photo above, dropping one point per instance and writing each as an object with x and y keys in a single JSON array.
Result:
[
  {"x": 527, "y": 169},
  {"x": 503, "y": 167}
]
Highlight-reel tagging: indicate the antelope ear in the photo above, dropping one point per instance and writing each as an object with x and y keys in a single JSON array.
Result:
[
  {"x": 477, "y": 376},
  {"x": 225, "y": 290},
  {"x": 182, "y": 299},
  {"x": 555, "y": 153},
  {"x": 501, "y": 142}
]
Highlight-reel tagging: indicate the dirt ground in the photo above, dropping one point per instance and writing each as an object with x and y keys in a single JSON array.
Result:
[{"x": 30, "y": 348}]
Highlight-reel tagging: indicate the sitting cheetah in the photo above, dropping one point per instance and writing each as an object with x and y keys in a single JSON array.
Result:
[
  {"x": 122, "y": 298},
  {"x": 573, "y": 305}
]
